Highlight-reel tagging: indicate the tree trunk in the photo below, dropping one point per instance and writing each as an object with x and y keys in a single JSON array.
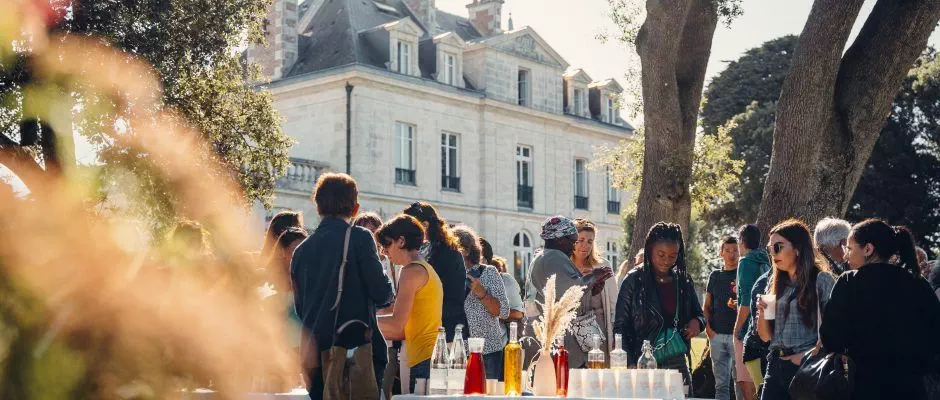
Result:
[
  {"x": 832, "y": 107},
  {"x": 673, "y": 74}
]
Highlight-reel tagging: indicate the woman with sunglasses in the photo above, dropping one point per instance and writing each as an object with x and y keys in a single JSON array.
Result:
[
  {"x": 801, "y": 284},
  {"x": 443, "y": 253},
  {"x": 657, "y": 302},
  {"x": 882, "y": 315},
  {"x": 416, "y": 314}
]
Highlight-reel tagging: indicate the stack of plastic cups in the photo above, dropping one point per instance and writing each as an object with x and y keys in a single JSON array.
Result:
[
  {"x": 608, "y": 383},
  {"x": 641, "y": 386},
  {"x": 675, "y": 386},
  {"x": 591, "y": 386},
  {"x": 576, "y": 383},
  {"x": 625, "y": 379},
  {"x": 658, "y": 383}
]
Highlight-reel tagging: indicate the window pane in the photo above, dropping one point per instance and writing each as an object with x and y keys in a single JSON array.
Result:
[
  {"x": 453, "y": 162},
  {"x": 453, "y": 141},
  {"x": 515, "y": 240},
  {"x": 443, "y": 161},
  {"x": 525, "y": 241}
]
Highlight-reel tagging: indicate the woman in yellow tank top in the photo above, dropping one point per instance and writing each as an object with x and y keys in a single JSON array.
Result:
[{"x": 416, "y": 314}]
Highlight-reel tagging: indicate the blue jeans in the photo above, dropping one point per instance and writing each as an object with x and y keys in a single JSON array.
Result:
[
  {"x": 493, "y": 363},
  {"x": 722, "y": 350},
  {"x": 422, "y": 370},
  {"x": 777, "y": 379}
]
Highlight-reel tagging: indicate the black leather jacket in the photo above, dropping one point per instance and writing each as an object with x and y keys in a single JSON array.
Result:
[{"x": 639, "y": 312}]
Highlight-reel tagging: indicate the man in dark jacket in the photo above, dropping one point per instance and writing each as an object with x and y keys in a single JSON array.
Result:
[{"x": 315, "y": 276}]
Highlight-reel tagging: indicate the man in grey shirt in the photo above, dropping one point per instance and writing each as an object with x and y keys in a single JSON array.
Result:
[{"x": 560, "y": 236}]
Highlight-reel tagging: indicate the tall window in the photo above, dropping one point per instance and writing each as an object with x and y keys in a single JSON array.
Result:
[
  {"x": 404, "y": 58},
  {"x": 578, "y": 102},
  {"x": 522, "y": 255},
  {"x": 450, "y": 69},
  {"x": 450, "y": 177},
  {"x": 404, "y": 153},
  {"x": 524, "y": 82},
  {"x": 611, "y": 111},
  {"x": 580, "y": 184},
  {"x": 613, "y": 256},
  {"x": 524, "y": 176},
  {"x": 613, "y": 195}
]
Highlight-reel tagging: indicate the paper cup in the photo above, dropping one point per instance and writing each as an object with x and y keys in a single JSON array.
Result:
[
  {"x": 576, "y": 383},
  {"x": 592, "y": 383},
  {"x": 625, "y": 380},
  {"x": 608, "y": 384},
  {"x": 771, "y": 311},
  {"x": 641, "y": 385}
]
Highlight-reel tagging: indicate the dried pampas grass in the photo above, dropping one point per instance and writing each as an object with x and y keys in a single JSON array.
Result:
[{"x": 556, "y": 315}]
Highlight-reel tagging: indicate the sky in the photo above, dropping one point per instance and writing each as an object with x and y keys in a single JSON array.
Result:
[{"x": 570, "y": 27}]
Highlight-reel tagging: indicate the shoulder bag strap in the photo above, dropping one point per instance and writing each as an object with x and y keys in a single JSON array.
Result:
[{"x": 342, "y": 275}]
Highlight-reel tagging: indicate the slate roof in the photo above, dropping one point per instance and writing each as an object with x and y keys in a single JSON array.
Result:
[{"x": 338, "y": 35}]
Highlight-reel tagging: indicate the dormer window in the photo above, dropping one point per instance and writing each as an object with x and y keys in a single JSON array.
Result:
[
  {"x": 578, "y": 102},
  {"x": 404, "y": 58},
  {"x": 450, "y": 69}
]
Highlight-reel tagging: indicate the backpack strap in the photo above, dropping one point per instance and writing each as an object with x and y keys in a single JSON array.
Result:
[{"x": 342, "y": 275}]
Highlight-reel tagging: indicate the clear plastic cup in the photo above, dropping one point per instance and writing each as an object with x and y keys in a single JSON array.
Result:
[
  {"x": 608, "y": 384},
  {"x": 475, "y": 344},
  {"x": 771, "y": 311},
  {"x": 625, "y": 380},
  {"x": 576, "y": 383}
]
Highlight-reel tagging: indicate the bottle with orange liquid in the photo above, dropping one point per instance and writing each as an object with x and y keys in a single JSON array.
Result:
[
  {"x": 512, "y": 363},
  {"x": 596, "y": 356},
  {"x": 475, "y": 382},
  {"x": 560, "y": 357}
]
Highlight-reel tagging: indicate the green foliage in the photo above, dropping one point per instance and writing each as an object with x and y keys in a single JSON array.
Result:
[
  {"x": 903, "y": 165},
  {"x": 193, "y": 46}
]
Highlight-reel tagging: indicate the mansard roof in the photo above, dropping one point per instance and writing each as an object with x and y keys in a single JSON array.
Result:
[{"x": 340, "y": 32}]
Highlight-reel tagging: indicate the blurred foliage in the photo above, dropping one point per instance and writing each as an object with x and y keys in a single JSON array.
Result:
[
  {"x": 193, "y": 47},
  {"x": 91, "y": 306}
]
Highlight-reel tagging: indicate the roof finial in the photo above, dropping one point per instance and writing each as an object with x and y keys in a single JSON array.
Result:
[{"x": 510, "y": 22}]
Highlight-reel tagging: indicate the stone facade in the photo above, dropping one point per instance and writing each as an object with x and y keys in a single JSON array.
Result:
[
  {"x": 280, "y": 36},
  {"x": 486, "y": 16}
]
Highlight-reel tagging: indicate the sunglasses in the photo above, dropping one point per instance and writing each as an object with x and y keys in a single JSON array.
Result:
[{"x": 775, "y": 248}]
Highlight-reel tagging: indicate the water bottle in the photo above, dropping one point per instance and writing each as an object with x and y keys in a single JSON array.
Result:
[
  {"x": 437, "y": 384},
  {"x": 646, "y": 361},
  {"x": 618, "y": 357},
  {"x": 457, "y": 367}
]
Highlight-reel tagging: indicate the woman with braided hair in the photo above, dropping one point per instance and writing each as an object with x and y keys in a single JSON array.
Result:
[{"x": 657, "y": 302}]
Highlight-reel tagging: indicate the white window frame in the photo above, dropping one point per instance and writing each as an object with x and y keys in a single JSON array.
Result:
[
  {"x": 611, "y": 111},
  {"x": 524, "y": 87},
  {"x": 401, "y": 128},
  {"x": 450, "y": 69},
  {"x": 404, "y": 57},
  {"x": 522, "y": 255},
  {"x": 613, "y": 194},
  {"x": 527, "y": 159},
  {"x": 577, "y": 102},
  {"x": 583, "y": 173},
  {"x": 446, "y": 168}
]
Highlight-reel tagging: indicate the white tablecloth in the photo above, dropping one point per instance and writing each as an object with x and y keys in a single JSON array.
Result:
[
  {"x": 205, "y": 394},
  {"x": 414, "y": 397}
]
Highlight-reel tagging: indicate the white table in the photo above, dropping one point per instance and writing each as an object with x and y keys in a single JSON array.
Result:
[
  {"x": 415, "y": 397},
  {"x": 206, "y": 394}
]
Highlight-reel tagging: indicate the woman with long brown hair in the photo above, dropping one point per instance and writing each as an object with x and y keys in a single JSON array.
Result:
[
  {"x": 802, "y": 284},
  {"x": 586, "y": 258},
  {"x": 442, "y": 251}
]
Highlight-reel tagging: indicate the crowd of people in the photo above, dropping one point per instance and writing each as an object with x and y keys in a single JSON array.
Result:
[{"x": 857, "y": 290}]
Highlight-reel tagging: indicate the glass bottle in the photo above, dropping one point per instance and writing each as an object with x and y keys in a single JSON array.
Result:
[
  {"x": 560, "y": 358},
  {"x": 512, "y": 363},
  {"x": 646, "y": 361},
  {"x": 618, "y": 357},
  {"x": 475, "y": 381},
  {"x": 437, "y": 384},
  {"x": 456, "y": 371},
  {"x": 596, "y": 356}
]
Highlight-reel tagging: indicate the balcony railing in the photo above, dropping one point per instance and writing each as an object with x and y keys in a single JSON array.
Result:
[
  {"x": 524, "y": 196},
  {"x": 405, "y": 176},
  {"x": 581, "y": 202},
  {"x": 613, "y": 207},
  {"x": 302, "y": 174},
  {"x": 450, "y": 183}
]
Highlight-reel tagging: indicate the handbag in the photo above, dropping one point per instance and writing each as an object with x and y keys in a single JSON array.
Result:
[
  {"x": 823, "y": 376},
  {"x": 703, "y": 377},
  {"x": 669, "y": 345},
  {"x": 584, "y": 329},
  {"x": 348, "y": 373}
]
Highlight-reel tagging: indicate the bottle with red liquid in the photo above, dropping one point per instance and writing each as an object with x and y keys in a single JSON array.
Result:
[
  {"x": 475, "y": 381},
  {"x": 560, "y": 358}
]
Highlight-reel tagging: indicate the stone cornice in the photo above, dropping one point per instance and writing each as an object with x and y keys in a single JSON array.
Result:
[{"x": 358, "y": 74}]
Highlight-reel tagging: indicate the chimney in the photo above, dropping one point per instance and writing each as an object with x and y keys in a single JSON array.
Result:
[
  {"x": 279, "y": 52},
  {"x": 426, "y": 12},
  {"x": 486, "y": 16}
]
